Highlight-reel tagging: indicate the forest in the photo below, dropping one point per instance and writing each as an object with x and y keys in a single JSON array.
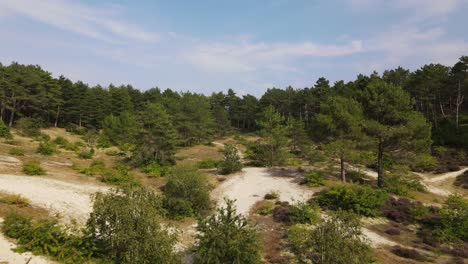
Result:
[{"x": 371, "y": 148}]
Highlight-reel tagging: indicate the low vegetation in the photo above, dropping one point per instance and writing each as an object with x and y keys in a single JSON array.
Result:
[
  {"x": 33, "y": 168},
  {"x": 360, "y": 199},
  {"x": 231, "y": 162},
  {"x": 336, "y": 240},
  {"x": 226, "y": 237},
  {"x": 16, "y": 152},
  {"x": 314, "y": 179},
  {"x": 13, "y": 199}
]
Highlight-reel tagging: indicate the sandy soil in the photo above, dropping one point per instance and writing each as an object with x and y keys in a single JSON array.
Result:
[
  {"x": 251, "y": 185},
  {"x": 70, "y": 200}
]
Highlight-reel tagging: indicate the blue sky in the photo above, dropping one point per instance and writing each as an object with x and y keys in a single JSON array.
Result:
[{"x": 214, "y": 45}]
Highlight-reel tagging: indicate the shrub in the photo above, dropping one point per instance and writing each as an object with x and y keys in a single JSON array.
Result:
[
  {"x": 4, "y": 131},
  {"x": 404, "y": 210},
  {"x": 46, "y": 237},
  {"x": 120, "y": 176},
  {"x": 265, "y": 208},
  {"x": 29, "y": 127},
  {"x": 314, "y": 179},
  {"x": 393, "y": 231},
  {"x": 188, "y": 184},
  {"x": 423, "y": 162},
  {"x": 226, "y": 237},
  {"x": 33, "y": 168},
  {"x": 363, "y": 200},
  {"x": 112, "y": 152},
  {"x": 337, "y": 240},
  {"x": 13, "y": 199},
  {"x": 154, "y": 169},
  {"x": 126, "y": 227},
  {"x": 77, "y": 130},
  {"x": 97, "y": 167},
  {"x": 207, "y": 164},
  {"x": 462, "y": 180},
  {"x": 16, "y": 152},
  {"x": 46, "y": 148},
  {"x": 231, "y": 162},
  {"x": 272, "y": 195},
  {"x": 408, "y": 253},
  {"x": 304, "y": 213},
  {"x": 282, "y": 213},
  {"x": 86, "y": 154},
  {"x": 61, "y": 141},
  {"x": 401, "y": 184}
]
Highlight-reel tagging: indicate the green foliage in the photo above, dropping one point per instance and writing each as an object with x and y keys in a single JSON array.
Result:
[
  {"x": 423, "y": 162},
  {"x": 337, "y": 240},
  {"x": 16, "y": 152},
  {"x": 13, "y": 199},
  {"x": 120, "y": 176},
  {"x": 360, "y": 199},
  {"x": 226, "y": 237},
  {"x": 46, "y": 148},
  {"x": 304, "y": 213},
  {"x": 401, "y": 184},
  {"x": 97, "y": 167},
  {"x": 125, "y": 224},
  {"x": 186, "y": 186},
  {"x": 29, "y": 127},
  {"x": 314, "y": 179},
  {"x": 86, "y": 154},
  {"x": 451, "y": 223},
  {"x": 154, "y": 169},
  {"x": 272, "y": 195},
  {"x": 46, "y": 237},
  {"x": 231, "y": 162},
  {"x": 4, "y": 131},
  {"x": 208, "y": 164},
  {"x": 271, "y": 149},
  {"x": 33, "y": 168},
  {"x": 265, "y": 208}
]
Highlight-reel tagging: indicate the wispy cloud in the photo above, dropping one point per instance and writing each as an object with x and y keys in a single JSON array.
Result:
[
  {"x": 247, "y": 56},
  {"x": 78, "y": 18}
]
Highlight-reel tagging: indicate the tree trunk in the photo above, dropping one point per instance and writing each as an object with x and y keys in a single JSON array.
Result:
[
  {"x": 57, "y": 116},
  {"x": 380, "y": 165},
  {"x": 12, "y": 116},
  {"x": 343, "y": 173},
  {"x": 458, "y": 104}
]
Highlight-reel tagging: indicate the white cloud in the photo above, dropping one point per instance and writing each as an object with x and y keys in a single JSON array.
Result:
[
  {"x": 249, "y": 56},
  {"x": 77, "y": 18}
]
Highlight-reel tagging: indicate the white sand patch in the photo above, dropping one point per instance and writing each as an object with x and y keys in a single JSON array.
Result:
[
  {"x": 251, "y": 185},
  {"x": 70, "y": 200},
  {"x": 377, "y": 240}
]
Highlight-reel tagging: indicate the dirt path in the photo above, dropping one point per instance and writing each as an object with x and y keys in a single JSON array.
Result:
[{"x": 69, "y": 200}]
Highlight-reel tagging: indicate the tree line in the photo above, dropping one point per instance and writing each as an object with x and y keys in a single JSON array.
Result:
[{"x": 436, "y": 91}]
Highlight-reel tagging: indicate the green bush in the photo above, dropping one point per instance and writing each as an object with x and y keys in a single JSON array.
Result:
[
  {"x": 33, "y": 168},
  {"x": 97, "y": 167},
  {"x": 86, "y": 154},
  {"x": 231, "y": 162},
  {"x": 61, "y": 141},
  {"x": 126, "y": 226},
  {"x": 29, "y": 127},
  {"x": 4, "y": 131},
  {"x": 46, "y": 237},
  {"x": 46, "y": 148},
  {"x": 120, "y": 176},
  {"x": 207, "y": 164},
  {"x": 112, "y": 152},
  {"x": 423, "y": 162},
  {"x": 337, "y": 240},
  {"x": 16, "y": 152},
  {"x": 401, "y": 184},
  {"x": 154, "y": 169},
  {"x": 360, "y": 199},
  {"x": 188, "y": 184},
  {"x": 314, "y": 179},
  {"x": 265, "y": 208},
  {"x": 272, "y": 195},
  {"x": 13, "y": 199},
  {"x": 304, "y": 213},
  {"x": 226, "y": 237}
]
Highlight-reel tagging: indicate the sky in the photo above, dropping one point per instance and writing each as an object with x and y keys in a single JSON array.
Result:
[{"x": 213, "y": 45}]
